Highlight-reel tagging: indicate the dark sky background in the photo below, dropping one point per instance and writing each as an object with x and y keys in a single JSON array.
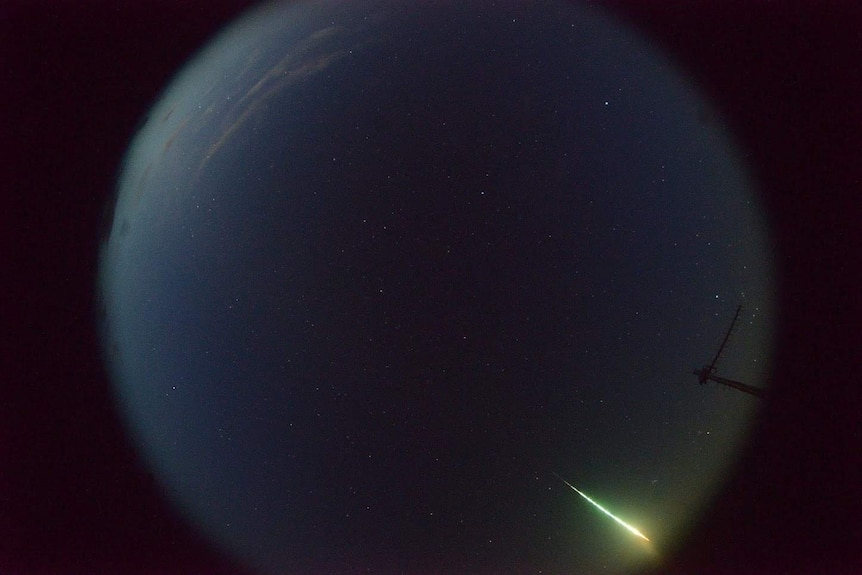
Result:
[{"x": 74, "y": 497}]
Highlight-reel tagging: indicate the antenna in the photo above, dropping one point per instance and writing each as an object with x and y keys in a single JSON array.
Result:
[{"x": 707, "y": 372}]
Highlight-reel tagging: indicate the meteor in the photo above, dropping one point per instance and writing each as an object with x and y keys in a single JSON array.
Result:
[{"x": 633, "y": 530}]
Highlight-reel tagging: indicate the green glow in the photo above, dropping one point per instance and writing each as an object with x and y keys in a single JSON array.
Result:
[{"x": 631, "y": 528}]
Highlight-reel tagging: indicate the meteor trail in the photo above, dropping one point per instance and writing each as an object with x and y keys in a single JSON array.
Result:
[{"x": 633, "y": 530}]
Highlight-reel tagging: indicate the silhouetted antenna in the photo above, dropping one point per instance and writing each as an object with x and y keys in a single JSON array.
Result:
[
  {"x": 707, "y": 373},
  {"x": 709, "y": 369}
]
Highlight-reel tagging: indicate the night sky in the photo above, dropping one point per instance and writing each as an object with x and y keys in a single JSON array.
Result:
[{"x": 359, "y": 311}]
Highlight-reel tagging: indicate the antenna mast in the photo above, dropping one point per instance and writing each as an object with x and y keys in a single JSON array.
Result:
[{"x": 707, "y": 372}]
